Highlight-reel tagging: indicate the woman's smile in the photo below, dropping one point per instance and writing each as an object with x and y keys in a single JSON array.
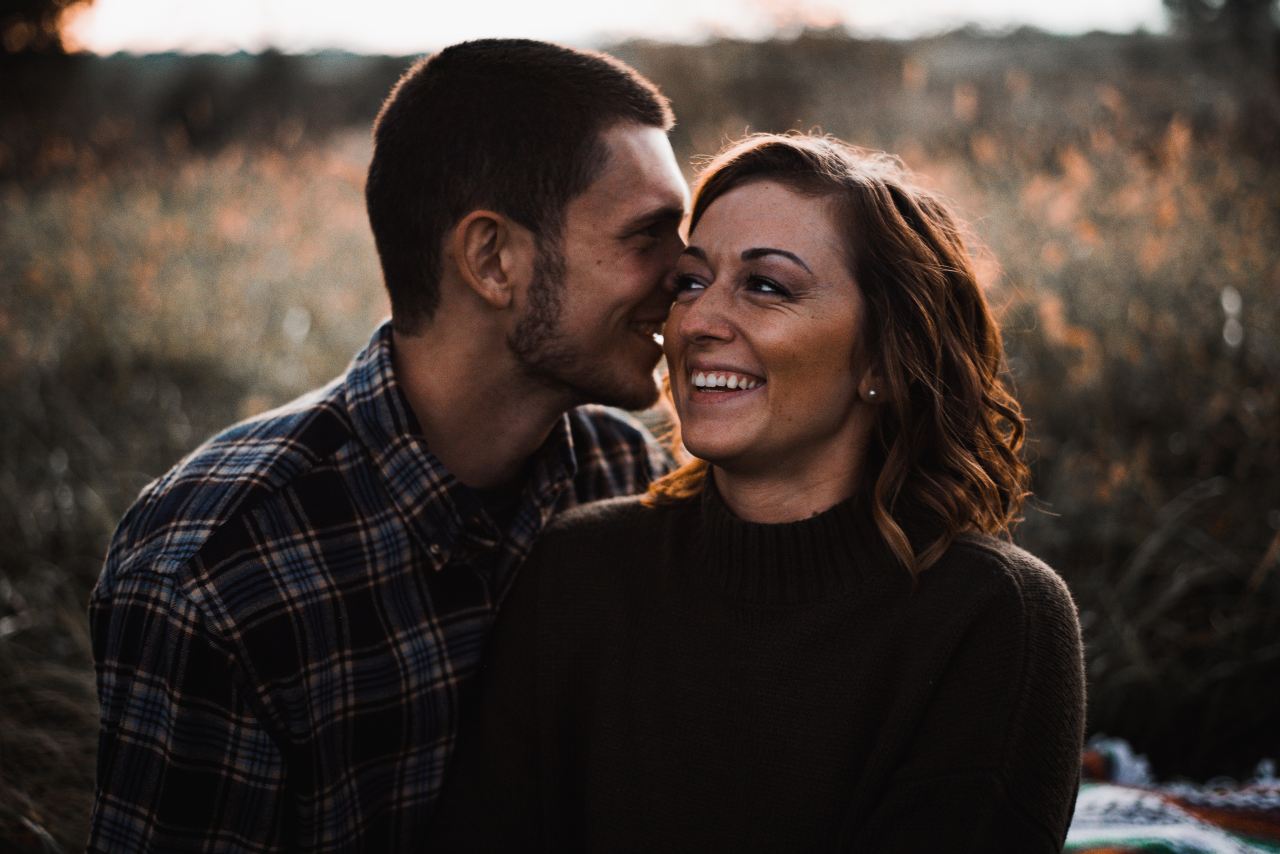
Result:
[{"x": 722, "y": 383}]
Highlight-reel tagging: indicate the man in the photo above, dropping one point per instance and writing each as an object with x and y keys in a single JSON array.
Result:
[{"x": 287, "y": 620}]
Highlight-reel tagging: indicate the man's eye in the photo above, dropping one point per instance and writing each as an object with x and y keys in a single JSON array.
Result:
[{"x": 653, "y": 233}]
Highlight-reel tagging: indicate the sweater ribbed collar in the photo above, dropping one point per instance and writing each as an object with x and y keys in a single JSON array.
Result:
[{"x": 834, "y": 553}]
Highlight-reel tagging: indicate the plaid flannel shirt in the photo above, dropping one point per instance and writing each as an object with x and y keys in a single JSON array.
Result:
[{"x": 286, "y": 620}]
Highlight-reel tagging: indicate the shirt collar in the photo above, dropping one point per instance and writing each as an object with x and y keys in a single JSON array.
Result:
[{"x": 435, "y": 506}]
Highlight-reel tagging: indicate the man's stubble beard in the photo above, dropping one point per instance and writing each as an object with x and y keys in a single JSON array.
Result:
[{"x": 549, "y": 357}]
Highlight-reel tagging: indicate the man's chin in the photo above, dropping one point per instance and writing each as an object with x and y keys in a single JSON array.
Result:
[
  {"x": 633, "y": 390},
  {"x": 634, "y": 396}
]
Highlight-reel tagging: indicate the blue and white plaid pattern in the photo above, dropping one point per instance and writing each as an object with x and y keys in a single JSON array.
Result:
[{"x": 287, "y": 618}]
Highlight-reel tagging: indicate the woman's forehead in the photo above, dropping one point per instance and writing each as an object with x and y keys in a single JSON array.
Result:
[{"x": 769, "y": 211}]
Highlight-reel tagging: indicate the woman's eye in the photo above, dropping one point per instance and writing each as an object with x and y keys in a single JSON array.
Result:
[
  {"x": 761, "y": 285},
  {"x": 686, "y": 284}
]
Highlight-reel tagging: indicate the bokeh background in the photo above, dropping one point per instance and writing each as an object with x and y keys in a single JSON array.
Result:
[{"x": 183, "y": 243}]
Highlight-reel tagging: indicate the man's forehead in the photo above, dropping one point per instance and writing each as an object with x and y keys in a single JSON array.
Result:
[{"x": 640, "y": 175}]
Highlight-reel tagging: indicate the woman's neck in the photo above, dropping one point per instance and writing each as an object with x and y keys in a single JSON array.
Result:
[{"x": 775, "y": 497}]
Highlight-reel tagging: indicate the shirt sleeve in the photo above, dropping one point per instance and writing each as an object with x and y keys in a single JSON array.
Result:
[
  {"x": 996, "y": 762},
  {"x": 184, "y": 762}
]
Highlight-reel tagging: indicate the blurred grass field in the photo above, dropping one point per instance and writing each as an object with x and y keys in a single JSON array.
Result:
[{"x": 183, "y": 243}]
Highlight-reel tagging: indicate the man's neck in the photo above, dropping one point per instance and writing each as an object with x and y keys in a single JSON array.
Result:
[{"x": 480, "y": 416}]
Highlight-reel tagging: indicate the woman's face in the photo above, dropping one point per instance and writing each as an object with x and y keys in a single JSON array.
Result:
[{"x": 763, "y": 342}]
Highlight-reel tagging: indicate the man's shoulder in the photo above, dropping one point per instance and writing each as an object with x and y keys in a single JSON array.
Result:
[
  {"x": 606, "y": 426},
  {"x": 616, "y": 452},
  {"x": 226, "y": 477}
]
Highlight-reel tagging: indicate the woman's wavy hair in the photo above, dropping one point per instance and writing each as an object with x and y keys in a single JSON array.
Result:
[{"x": 944, "y": 458}]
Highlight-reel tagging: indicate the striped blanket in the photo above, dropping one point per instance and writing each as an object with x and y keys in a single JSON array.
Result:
[{"x": 1121, "y": 809}]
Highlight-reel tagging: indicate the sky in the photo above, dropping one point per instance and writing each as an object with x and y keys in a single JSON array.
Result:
[{"x": 406, "y": 26}]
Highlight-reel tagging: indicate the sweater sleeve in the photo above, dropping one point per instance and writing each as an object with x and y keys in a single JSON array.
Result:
[
  {"x": 491, "y": 794},
  {"x": 996, "y": 760}
]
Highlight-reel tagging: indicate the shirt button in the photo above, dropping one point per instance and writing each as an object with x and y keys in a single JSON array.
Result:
[{"x": 435, "y": 550}]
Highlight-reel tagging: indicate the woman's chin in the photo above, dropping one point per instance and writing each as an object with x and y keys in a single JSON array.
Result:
[{"x": 717, "y": 450}]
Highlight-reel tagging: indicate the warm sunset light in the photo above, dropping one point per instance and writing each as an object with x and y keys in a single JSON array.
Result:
[
  {"x": 971, "y": 352},
  {"x": 395, "y": 26}
]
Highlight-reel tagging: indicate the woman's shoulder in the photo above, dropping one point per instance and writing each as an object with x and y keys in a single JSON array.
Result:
[
  {"x": 604, "y": 554},
  {"x": 613, "y": 525},
  {"x": 603, "y": 515},
  {"x": 1018, "y": 619},
  {"x": 1000, "y": 570}
]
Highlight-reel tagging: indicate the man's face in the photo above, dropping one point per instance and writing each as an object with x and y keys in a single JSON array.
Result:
[{"x": 593, "y": 311}]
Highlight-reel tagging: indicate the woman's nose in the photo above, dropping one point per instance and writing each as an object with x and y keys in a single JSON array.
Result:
[{"x": 703, "y": 318}]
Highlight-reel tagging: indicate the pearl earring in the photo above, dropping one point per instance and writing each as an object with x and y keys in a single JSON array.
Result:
[{"x": 872, "y": 393}]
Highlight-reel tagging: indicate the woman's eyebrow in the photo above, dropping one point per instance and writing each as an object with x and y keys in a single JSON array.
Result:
[
  {"x": 762, "y": 251},
  {"x": 696, "y": 252}
]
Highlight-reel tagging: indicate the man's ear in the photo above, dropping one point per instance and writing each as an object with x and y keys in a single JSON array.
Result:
[{"x": 495, "y": 257}]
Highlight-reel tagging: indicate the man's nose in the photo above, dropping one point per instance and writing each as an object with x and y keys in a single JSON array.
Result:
[
  {"x": 665, "y": 270},
  {"x": 669, "y": 254}
]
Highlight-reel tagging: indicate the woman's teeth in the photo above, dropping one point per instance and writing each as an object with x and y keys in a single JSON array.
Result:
[{"x": 716, "y": 380}]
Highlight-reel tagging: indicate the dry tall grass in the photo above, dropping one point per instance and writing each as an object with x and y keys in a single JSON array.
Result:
[{"x": 1126, "y": 188}]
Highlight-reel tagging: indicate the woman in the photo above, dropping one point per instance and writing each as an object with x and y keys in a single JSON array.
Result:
[{"x": 810, "y": 638}]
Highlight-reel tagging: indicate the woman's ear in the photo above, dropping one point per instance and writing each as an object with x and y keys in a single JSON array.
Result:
[
  {"x": 495, "y": 257},
  {"x": 872, "y": 388}
]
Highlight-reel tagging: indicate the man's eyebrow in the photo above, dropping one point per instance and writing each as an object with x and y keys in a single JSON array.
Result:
[
  {"x": 762, "y": 251},
  {"x": 666, "y": 213}
]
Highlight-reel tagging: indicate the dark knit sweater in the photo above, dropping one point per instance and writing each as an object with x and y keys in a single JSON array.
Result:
[{"x": 675, "y": 679}]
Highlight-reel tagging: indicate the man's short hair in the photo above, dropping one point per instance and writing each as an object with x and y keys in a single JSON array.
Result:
[{"x": 509, "y": 125}]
